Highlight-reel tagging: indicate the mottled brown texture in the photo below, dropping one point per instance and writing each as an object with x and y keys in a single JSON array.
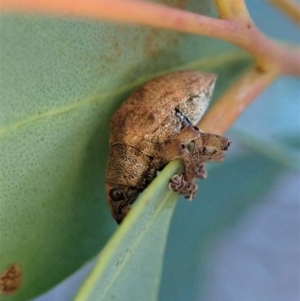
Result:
[
  {"x": 154, "y": 126},
  {"x": 10, "y": 280}
]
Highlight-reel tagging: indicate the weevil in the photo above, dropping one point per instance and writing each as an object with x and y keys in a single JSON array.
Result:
[{"x": 155, "y": 125}]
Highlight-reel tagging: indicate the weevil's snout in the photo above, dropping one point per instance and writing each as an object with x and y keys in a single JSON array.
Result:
[
  {"x": 226, "y": 144},
  {"x": 120, "y": 200}
]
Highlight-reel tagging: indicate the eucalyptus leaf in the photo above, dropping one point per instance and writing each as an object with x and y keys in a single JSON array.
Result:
[
  {"x": 129, "y": 266},
  {"x": 61, "y": 80},
  {"x": 292, "y": 140},
  {"x": 276, "y": 150},
  {"x": 222, "y": 199}
]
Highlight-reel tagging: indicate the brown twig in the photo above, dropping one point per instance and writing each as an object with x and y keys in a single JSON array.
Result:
[
  {"x": 289, "y": 7},
  {"x": 236, "y": 25},
  {"x": 233, "y": 9},
  {"x": 235, "y": 100}
]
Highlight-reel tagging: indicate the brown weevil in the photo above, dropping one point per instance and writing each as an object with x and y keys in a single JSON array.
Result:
[{"x": 155, "y": 125}]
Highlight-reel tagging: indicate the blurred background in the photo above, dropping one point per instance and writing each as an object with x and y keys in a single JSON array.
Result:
[{"x": 252, "y": 252}]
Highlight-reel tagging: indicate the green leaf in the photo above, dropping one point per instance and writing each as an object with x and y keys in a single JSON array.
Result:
[
  {"x": 274, "y": 150},
  {"x": 230, "y": 189},
  {"x": 291, "y": 140},
  {"x": 62, "y": 78},
  {"x": 129, "y": 266}
]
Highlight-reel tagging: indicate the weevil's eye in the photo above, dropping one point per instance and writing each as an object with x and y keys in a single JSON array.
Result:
[
  {"x": 116, "y": 194},
  {"x": 227, "y": 144}
]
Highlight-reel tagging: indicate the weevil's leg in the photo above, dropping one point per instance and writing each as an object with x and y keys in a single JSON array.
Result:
[
  {"x": 197, "y": 154},
  {"x": 180, "y": 185},
  {"x": 201, "y": 172},
  {"x": 198, "y": 143},
  {"x": 174, "y": 150},
  {"x": 188, "y": 134},
  {"x": 196, "y": 150},
  {"x": 178, "y": 149},
  {"x": 205, "y": 147}
]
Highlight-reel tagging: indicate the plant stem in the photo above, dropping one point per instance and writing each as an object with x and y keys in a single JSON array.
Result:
[
  {"x": 235, "y": 100},
  {"x": 233, "y": 9},
  {"x": 239, "y": 30},
  {"x": 289, "y": 7}
]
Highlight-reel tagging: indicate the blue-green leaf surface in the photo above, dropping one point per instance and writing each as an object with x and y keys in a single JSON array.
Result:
[
  {"x": 61, "y": 80},
  {"x": 130, "y": 265}
]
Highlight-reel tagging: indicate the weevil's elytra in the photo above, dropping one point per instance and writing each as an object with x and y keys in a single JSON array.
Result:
[
  {"x": 148, "y": 130},
  {"x": 159, "y": 97}
]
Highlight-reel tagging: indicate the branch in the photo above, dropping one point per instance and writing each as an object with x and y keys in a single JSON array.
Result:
[
  {"x": 131, "y": 11},
  {"x": 232, "y": 9},
  {"x": 235, "y": 100},
  {"x": 239, "y": 30},
  {"x": 289, "y": 7},
  {"x": 268, "y": 54}
]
